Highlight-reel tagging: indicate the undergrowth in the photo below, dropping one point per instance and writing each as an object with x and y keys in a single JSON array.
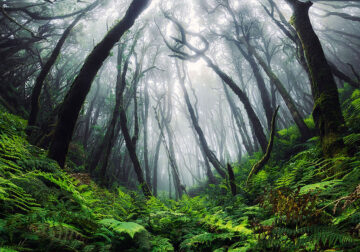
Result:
[{"x": 298, "y": 202}]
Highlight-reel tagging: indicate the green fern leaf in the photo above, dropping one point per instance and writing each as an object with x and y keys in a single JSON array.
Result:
[{"x": 130, "y": 228}]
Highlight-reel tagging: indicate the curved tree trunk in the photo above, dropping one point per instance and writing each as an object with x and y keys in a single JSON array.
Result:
[
  {"x": 258, "y": 129},
  {"x": 35, "y": 96},
  {"x": 260, "y": 164},
  {"x": 299, "y": 120},
  {"x": 76, "y": 96},
  {"x": 210, "y": 155},
  {"x": 239, "y": 123},
  {"x": 264, "y": 94},
  {"x": 327, "y": 112}
]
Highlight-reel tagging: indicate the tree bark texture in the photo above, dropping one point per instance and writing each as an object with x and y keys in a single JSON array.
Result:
[{"x": 76, "y": 96}]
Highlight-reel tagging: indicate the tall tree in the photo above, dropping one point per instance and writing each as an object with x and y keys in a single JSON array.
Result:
[
  {"x": 327, "y": 112},
  {"x": 209, "y": 154},
  {"x": 197, "y": 53},
  {"x": 35, "y": 96},
  {"x": 75, "y": 98}
]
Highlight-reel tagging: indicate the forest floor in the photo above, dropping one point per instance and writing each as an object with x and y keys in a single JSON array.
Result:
[{"x": 298, "y": 202}]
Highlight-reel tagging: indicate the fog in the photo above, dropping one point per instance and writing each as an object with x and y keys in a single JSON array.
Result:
[{"x": 160, "y": 115}]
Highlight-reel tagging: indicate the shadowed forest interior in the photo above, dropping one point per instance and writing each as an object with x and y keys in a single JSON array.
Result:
[{"x": 193, "y": 125}]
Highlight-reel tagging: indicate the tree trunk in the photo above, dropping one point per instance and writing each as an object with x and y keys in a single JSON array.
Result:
[
  {"x": 239, "y": 123},
  {"x": 173, "y": 164},
  {"x": 264, "y": 94},
  {"x": 76, "y": 96},
  {"x": 155, "y": 164},
  {"x": 210, "y": 155},
  {"x": 35, "y": 96},
  {"x": 88, "y": 116},
  {"x": 231, "y": 179},
  {"x": 109, "y": 140},
  {"x": 303, "y": 128},
  {"x": 145, "y": 119},
  {"x": 169, "y": 148},
  {"x": 327, "y": 112},
  {"x": 258, "y": 129},
  {"x": 132, "y": 152}
]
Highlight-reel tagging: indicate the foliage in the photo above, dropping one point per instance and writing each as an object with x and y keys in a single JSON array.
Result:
[{"x": 298, "y": 202}]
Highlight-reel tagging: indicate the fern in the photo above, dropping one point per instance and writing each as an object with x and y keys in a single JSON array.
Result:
[
  {"x": 206, "y": 241},
  {"x": 129, "y": 228},
  {"x": 161, "y": 244},
  {"x": 7, "y": 249}
]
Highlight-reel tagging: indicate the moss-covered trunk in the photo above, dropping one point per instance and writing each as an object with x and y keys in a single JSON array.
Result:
[{"x": 327, "y": 112}]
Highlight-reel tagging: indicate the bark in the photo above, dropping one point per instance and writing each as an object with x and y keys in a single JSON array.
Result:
[
  {"x": 210, "y": 155},
  {"x": 327, "y": 112},
  {"x": 145, "y": 120},
  {"x": 35, "y": 96},
  {"x": 76, "y": 96},
  {"x": 264, "y": 94},
  {"x": 239, "y": 122},
  {"x": 260, "y": 164},
  {"x": 171, "y": 155},
  {"x": 132, "y": 153},
  {"x": 258, "y": 129},
  {"x": 155, "y": 164},
  {"x": 290, "y": 103},
  {"x": 290, "y": 32},
  {"x": 88, "y": 116},
  {"x": 231, "y": 179}
]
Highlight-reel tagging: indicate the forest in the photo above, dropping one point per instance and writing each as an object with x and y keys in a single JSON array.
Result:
[{"x": 193, "y": 125}]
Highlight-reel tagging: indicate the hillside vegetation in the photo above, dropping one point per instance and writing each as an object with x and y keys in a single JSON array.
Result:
[{"x": 298, "y": 202}]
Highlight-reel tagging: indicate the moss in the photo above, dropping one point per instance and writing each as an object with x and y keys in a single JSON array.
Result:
[{"x": 292, "y": 20}]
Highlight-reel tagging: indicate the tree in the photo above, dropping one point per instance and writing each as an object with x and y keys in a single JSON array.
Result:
[
  {"x": 44, "y": 72},
  {"x": 75, "y": 98},
  {"x": 257, "y": 127},
  {"x": 204, "y": 145},
  {"x": 327, "y": 112}
]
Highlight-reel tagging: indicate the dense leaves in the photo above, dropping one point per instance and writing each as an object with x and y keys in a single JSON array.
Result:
[{"x": 310, "y": 203}]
